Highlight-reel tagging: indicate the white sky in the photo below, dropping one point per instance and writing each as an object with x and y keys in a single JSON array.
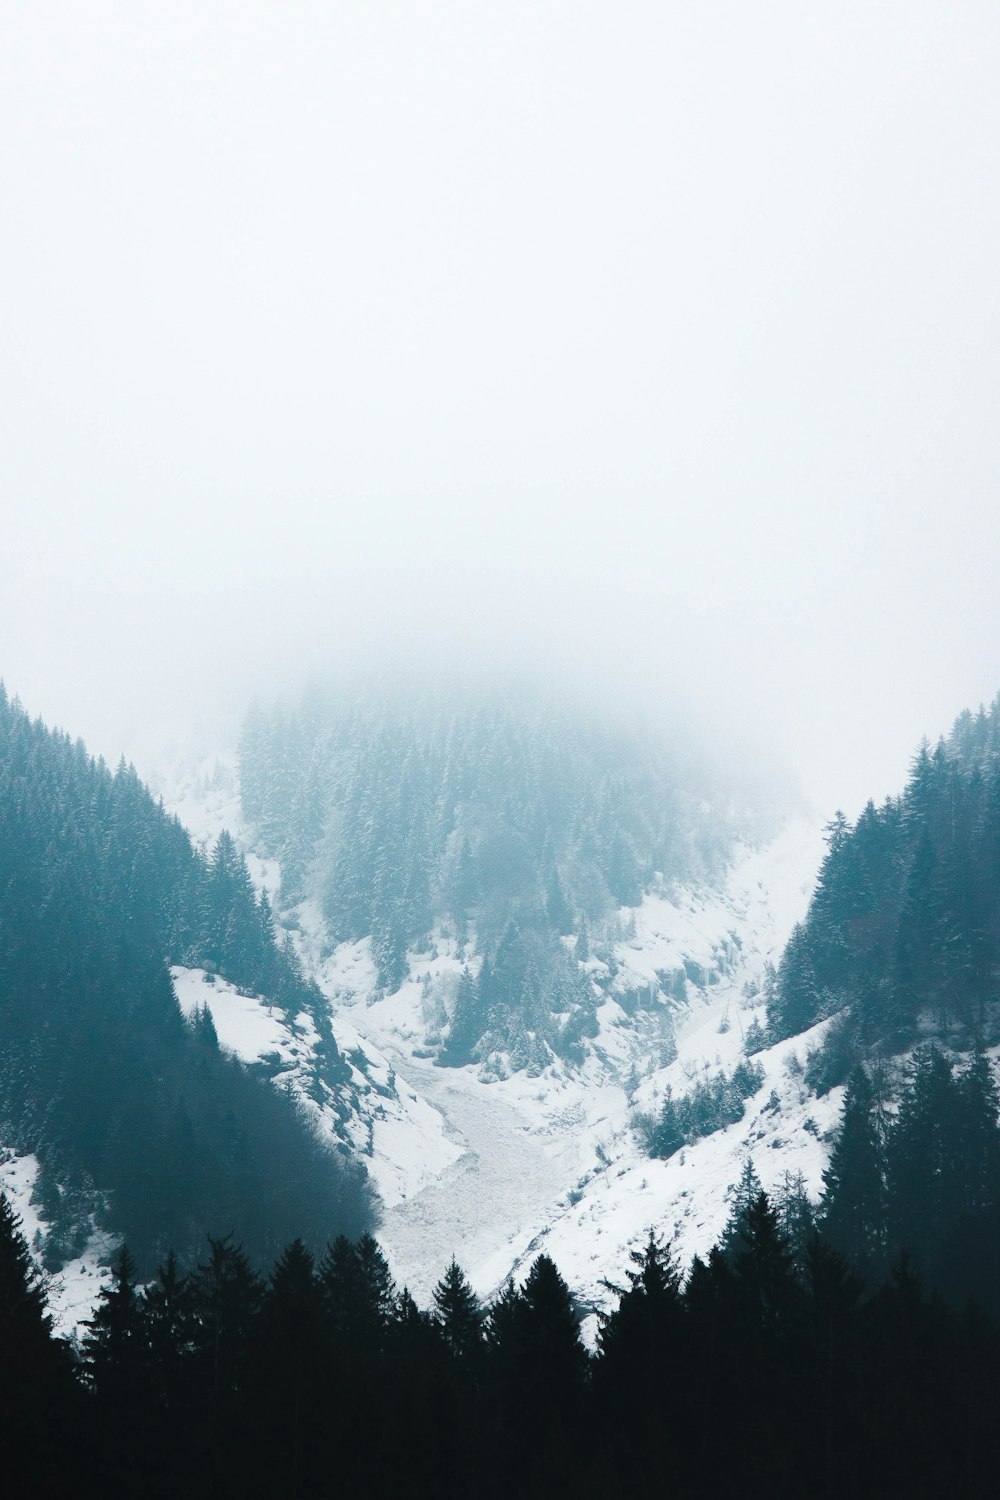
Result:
[{"x": 648, "y": 339}]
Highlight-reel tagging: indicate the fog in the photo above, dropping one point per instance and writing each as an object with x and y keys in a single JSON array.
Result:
[{"x": 650, "y": 347}]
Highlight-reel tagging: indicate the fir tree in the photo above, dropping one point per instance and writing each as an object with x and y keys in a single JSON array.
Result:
[
  {"x": 742, "y": 1198},
  {"x": 853, "y": 1212},
  {"x": 113, "y": 1346},
  {"x": 459, "y": 1313},
  {"x": 466, "y": 1023}
]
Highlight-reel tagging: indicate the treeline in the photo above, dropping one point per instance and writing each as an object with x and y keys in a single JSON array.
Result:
[
  {"x": 773, "y": 1368},
  {"x": 904, "y": 925},
  {"x": 138, "y": 1120},
  {"x": 515, "y": 822}
]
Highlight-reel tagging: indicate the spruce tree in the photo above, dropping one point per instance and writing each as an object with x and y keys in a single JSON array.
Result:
[
  {"x": 467, "y": 1023},
  {"x": 743, "y": 1195},
  {"x": 641, "y": 1341},
  {"x": 924, "y": 1169},
  {"x": 765, "y": 1267},
  {"x": 550, "y": 1330},
  {"x": 459, "y": 1313},
  {"x": 853, "y": 1210},
  {"x": 39, "y": 1440},
  {"x": 978, "y": 1138},
  {"x": 166, "y": 1314},
  {"x": 227, "y": 1295},
  {"x": 113, "y": 1346},
  {"x": 797, "y": 1218}
]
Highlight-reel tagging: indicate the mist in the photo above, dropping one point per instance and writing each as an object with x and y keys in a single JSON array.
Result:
[{"x": 651, "y": 348}]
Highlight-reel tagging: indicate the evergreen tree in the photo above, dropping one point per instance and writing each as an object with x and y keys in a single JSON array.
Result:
[
  {"x": 765, "y": 1266},
  {"x": 796, "y": 1219},
  {"x": 556, "y": 1359},
  {"x": 166, "y": 1315},
  {"x": 978, "y": 1135},
  {"x": 113, "y": 1345},
  {"x": 24, "y": 1313},
  {"x": 341, "y": 1287},
  {"x": 556, "y": 906},
  {"x": 467, "y": 1023},
  {"x": 641, "y": 1343},
  {"x": 742, "y": 1198},
  {"x": 853, "y": 1213},
  {"x": 459, "y": 1313},
  {"x": 797, "y": 999},
  {"x": 377, "y": 1295},
  {"x": 227, "y": 1295},
  {"x": 37, "y": 1413},
  {"x": 668, "y": 1137},
  {"x": 924, "y": 1170}
]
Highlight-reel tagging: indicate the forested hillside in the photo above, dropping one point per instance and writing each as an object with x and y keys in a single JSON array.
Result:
[
  {"x": 775, "y": 1366},
  {"x": 517, "y": 824},
  {"x": 903, "y": 932},
  {"x": 140, "y": 1123}
]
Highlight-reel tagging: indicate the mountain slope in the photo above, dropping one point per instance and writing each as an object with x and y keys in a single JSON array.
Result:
[
  {"x": 556, "y": 1161},
  {"x": 513, "y": 825},
  {"x": 139, "y": 1121},
  {"x": 902, "y": 937},
  {"x": 695, "y": 1056}
]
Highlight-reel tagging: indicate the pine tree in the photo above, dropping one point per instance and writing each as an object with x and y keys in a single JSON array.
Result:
[
  {"x": 166, "y": 1315},
  {"x": 765, "y": 1267},
  {"x": 742, "y": 1198},
  {"x": 467, "y": 1024},
  {"x": 796, "y": 1219},
  {"x": 38, "y": 1436},
  {"x": 853, "y": 1211},
  {"x": 227, "y": 1295},
  {"x": 640, "y": 1342},
  {"x": 24, "y": 1314},
  {"x": 377, "y": 1295},
  {"x": 113, "y": 1347},
  {"x": 459, "y": 1313},
  {"x": 978, "y": 1147},
  {"x": 797, "y": 1000},
  {"x": 550, "y": 1330},
  {"x": 668, "y": 1137},
  {"x": 342, "y": 1291},
  {"x": 924, "y": 1170},
  {"x": 556, "y": 906},
  {"x": 287, "y": 1363},
  {"x": 835, "y": 1291}
]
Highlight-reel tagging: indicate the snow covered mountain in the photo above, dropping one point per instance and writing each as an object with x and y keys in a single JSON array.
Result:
[{"x": 493, "y": 1159}]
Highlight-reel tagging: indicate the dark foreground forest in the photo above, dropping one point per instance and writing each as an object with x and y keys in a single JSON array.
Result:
[{"x": 773, "y": 1368}]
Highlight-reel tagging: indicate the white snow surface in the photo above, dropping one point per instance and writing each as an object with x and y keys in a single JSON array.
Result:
[{"x": 494, "y": 1172}]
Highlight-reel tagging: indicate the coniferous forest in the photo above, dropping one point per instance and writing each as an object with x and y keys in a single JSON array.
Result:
[
  {"x": 776, "y": 1367},
  {"x": 903, "y": 931},
  {"x": 849, "y": 1346},
  {"x": 516, "y": 823},
  {"x": 140, "y": 1124}
]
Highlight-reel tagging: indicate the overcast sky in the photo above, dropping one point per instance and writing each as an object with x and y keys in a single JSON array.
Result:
[{"x": 655, "y": 340}]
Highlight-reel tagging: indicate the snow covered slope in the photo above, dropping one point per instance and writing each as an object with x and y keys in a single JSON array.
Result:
[
  {"x": 490, "y": 1168},
  {"x": 556, "y": 1161}
]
